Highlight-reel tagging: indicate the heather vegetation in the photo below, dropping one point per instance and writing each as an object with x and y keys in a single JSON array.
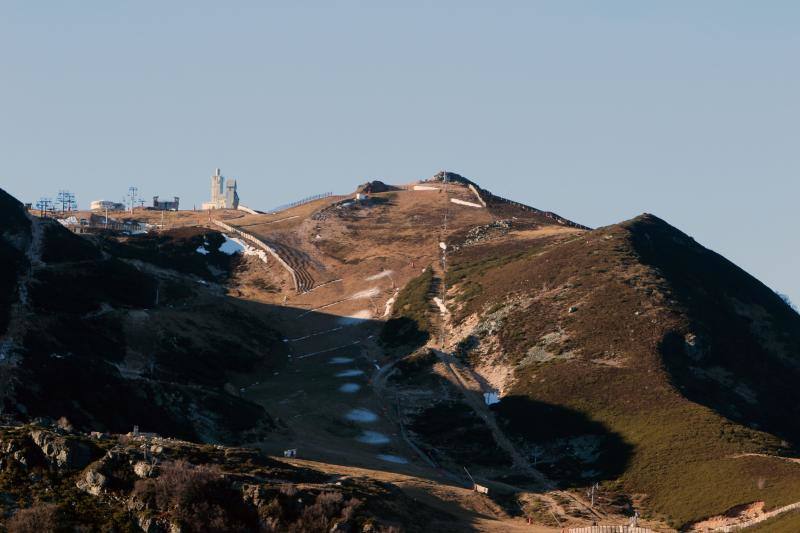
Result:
[
  {"x": 222, "y": 491},
  {"x": 410, "y": 323},
  {"x": 611, "y": 325}
]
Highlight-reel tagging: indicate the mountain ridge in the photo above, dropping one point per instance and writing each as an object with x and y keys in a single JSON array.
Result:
[{"x": 544, "y": 355}]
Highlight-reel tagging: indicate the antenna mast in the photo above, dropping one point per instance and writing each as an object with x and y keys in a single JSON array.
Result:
[{"x": 132, "y": 196}]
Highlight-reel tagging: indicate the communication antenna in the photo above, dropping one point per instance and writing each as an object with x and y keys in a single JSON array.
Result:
[
  {"x": 443, "y": 246},
  {"x": 132, "y": 196}
]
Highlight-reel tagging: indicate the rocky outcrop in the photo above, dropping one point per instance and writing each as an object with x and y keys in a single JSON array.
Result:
[
  {"x": 374, "y": 186},
  {"x": 118, "y": 468},
  {"x": 92, "y": 481},
  {"x": 62, "y": 452},
  {"x": 479, "y": 234}
]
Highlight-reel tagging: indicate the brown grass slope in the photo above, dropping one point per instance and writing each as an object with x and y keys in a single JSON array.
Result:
[
  {"x": 504, "y": 208},
  {"x": 667, "y": 345}
]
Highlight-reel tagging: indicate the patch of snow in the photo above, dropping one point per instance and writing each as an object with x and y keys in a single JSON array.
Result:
[
  {"x": 425, "y": 188},
  {"x": 477, "y": 194},
  {"x": 202, "y": 250},
  {"x": 464, "y": 202},
  {"x": 440, "y": 305},
  {"x": 251, "y": 250},
  {"x": 349, "y": 373},
  {"x": 367, "y": 293},
  {"x": 350, "y": 388},
  {"x": 340, "y": 360},
  {"x": 231, "y": 246},
  {"x": 69, "y": 221},
  {"x": 372, "y": 437},
  {"x": 392, "y": 458},
  {"x": 379, "y": 275},
  {"x": 491, "y": 398},
  {"x": 361, "y": 415}
]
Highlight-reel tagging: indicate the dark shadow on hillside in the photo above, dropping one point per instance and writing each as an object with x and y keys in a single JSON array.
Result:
[
  {"x": 409, "y": 327},
  {"x": 141, "y": 334},
  {"x": 565, "y": 445},
  {"x": 740, "y": 352},
  {"x": 103, "y": 355}
]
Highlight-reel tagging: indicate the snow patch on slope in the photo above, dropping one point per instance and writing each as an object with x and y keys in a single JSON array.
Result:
[
  {"x": 379, "y": 275},
  {"x": 367, "y": 293},
  {"x": 464, "y": 202},
  {"x": 231, "y": 246}
]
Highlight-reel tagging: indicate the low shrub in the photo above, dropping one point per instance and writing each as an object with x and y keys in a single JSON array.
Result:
[{"x": 38, "y": 518}]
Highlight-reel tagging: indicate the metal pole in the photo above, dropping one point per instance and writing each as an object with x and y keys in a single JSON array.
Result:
[
  {"x": 444, "y": 260},
  {"x": 470, "y": 476}
]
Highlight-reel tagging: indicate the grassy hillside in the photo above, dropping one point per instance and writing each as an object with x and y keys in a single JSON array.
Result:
[{"x": 644, "y": 332}]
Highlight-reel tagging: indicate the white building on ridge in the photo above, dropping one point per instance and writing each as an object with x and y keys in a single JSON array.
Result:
[{"x": 223, "y": 195}]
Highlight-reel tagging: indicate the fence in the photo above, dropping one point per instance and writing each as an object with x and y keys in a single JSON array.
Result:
[
  {"x": 610, "y": 529},
  {"x": 552, "y": 216},
  {"x": 756, "y": 520},
  {"x": 263, "y": 245},
  {"x": 301, "y": 202}
]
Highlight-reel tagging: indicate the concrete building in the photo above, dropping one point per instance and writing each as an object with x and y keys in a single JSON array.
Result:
[
  {"x": 102, "y": 205},
  {"x": 223, "y": 195},
  {"x": 166, "y": 205}
]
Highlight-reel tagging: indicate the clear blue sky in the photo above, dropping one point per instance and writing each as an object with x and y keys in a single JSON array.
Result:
[{"x": 596, "y": 110}]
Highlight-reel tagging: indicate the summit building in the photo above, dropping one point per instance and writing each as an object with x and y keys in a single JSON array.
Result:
[{"x": 223, "y": 195}]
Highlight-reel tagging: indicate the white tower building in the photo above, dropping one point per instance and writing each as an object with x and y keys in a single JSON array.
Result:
[{"x": 222, "y": 197}]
